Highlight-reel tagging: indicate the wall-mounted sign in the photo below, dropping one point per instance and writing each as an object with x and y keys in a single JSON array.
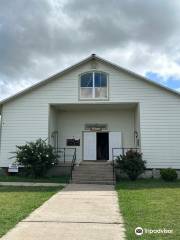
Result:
[
  {"x": 73, "y": 142},
  {"x": 96, "y": 127}
]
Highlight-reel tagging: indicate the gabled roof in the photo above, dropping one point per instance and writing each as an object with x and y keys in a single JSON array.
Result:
[{"x": 91, "y": 57}]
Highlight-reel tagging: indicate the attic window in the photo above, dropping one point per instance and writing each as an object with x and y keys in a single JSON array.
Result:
[{"x": 93, "y": 85}]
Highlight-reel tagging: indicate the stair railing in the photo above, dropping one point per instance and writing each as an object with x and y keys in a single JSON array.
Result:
[
  {"x": 114, "y": 175},
  {"x": 73, "y": 163},
  {"x": 66, "y": 156}
]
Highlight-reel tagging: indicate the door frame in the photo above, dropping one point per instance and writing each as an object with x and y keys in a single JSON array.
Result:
[{"x": 105, "y": 131}]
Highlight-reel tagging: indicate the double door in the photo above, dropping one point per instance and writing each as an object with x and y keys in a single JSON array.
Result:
[{"x": 99, "y": 145}]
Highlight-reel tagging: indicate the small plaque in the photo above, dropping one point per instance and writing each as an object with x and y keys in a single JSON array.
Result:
[{"x": 73, "y": 142}]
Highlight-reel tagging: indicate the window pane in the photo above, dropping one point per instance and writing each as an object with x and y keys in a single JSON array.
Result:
[
  {"x": 86, "y": 92},
  {"x": 97, "y": 79},
  {"x": 100, "y": 80},
  {"x": 101, "y": 92},
  {"x": 103, "y": 80},
  {"x": 87, "y": 80}
]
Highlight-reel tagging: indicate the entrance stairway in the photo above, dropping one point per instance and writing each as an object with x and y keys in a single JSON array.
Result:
[{"x": 95, "y": 172}]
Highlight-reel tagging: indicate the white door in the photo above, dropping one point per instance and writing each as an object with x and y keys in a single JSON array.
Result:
[
  {"x": 115, "y": 141},
  {"x": 89, "y": 146}
]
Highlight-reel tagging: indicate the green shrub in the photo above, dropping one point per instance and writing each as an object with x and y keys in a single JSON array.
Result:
[
  {"x": 131, "y": 163},
  {"x": 2, "y": 172},
  {"x": 36, "y": 158},
  {"x": 168, "y": 174}
]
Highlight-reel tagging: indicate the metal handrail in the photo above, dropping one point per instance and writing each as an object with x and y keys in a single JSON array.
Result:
[
  {"x": 114, "y": 175},
  {"x": 63, "y": 154},
  {"x": 124, "y": 150},
  {"x": 73, "y": 163}
]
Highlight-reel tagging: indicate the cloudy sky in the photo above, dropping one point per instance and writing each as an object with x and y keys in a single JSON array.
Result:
[{"x": 41, "y": 37}]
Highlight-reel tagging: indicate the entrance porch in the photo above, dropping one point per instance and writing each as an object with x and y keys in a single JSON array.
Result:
[{"x": 94, "y": 130}]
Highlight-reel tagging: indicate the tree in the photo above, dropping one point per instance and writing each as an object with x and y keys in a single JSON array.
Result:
[
  {"x": 36, "y": 157},
  {"x": 131, "y": 163}
]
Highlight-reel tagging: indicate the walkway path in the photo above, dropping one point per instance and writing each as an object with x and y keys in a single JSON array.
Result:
[
  {"x": 78, "y": 212},
  {"x": 32, "y": 184}
]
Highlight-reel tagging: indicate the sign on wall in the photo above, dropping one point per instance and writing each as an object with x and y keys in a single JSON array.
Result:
[
  {"x": 96, "y": 127},
  {"x": 73, "y": 142}
]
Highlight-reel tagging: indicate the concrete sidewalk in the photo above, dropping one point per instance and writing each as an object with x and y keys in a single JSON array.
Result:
[
  {"x": 78, "y": 212},
  {"x": 32, "y": 184}
]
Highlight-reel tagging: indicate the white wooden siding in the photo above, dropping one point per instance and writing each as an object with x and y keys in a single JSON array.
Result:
[{"x": 26, "y": 117}]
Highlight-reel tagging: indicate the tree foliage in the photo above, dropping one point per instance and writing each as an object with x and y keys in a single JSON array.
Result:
[
  {"x": 36, "y": 157},
  {"x": 131, "y": 163}
]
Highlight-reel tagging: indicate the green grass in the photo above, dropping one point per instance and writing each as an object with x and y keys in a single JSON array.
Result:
[
  {"x": 151, "y": 204},
  {"x": 61, "y": 179},
  {"x": 18, "y": 202}
]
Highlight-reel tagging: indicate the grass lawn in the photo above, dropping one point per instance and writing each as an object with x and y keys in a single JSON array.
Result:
[
  {"x": 17, "y": 202},
  {"x": 61, "y": 179},
  {"x": 150, "y": 204}
]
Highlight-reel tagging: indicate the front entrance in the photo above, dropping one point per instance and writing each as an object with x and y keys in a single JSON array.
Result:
[
  {"x": 102, "y": 139},
  {"x": 99, "y": 145}
]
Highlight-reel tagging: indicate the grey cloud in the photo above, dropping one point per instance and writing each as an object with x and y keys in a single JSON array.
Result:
[
  {"x": 40, "y": 37},
  {"x": 27, "y": 34},
  {"x": 150, "y": 22}
]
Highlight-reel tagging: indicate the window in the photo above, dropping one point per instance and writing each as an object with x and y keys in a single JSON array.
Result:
[{"x": 93, "y": 85}]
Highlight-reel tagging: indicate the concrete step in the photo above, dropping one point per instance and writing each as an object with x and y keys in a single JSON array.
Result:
[
  {"x": 95, "y": 162},
  {"x": 94, "y": 182},
  {"x": 93, "y": 167},
  {"x": 93, "y": 175},
  {"x": 93, "y": 172},
  {"x": 90, "y": 180}
]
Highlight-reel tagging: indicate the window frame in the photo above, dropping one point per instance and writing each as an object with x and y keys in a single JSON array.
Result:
[{"x": 93, "y": 87}]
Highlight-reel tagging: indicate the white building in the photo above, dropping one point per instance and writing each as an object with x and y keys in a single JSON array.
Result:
[{"x": 102, "y": 106}]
